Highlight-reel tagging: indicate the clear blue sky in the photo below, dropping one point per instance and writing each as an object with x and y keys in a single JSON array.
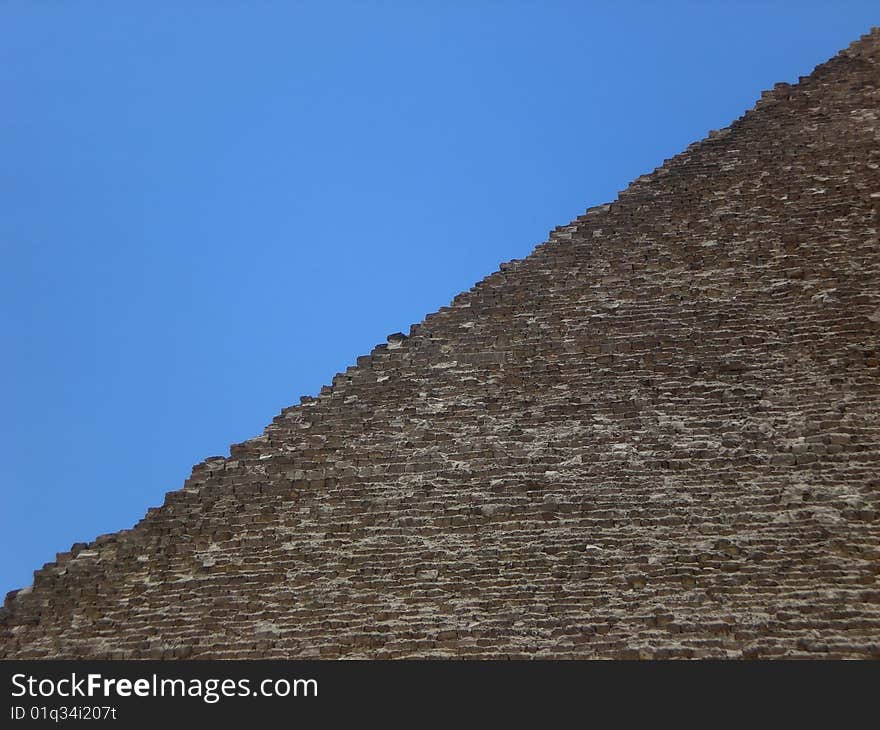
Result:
[{"x": 209, "y": 208}]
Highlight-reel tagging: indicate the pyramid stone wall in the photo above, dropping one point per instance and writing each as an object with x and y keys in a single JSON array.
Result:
[{"x": 656, "y": 436}]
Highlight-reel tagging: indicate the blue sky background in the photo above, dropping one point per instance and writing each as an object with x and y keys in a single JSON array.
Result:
[{"x": 207, "y": 209}]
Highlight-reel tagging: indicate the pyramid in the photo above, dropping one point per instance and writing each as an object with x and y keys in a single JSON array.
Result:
[{"x": 656, "y": 436}]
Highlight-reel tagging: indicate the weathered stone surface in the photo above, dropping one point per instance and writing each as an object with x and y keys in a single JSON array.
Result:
[{"x": 656, "y": 436}]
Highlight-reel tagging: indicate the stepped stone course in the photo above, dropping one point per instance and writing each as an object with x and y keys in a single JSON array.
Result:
[{"x": 656, "y": 436}]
